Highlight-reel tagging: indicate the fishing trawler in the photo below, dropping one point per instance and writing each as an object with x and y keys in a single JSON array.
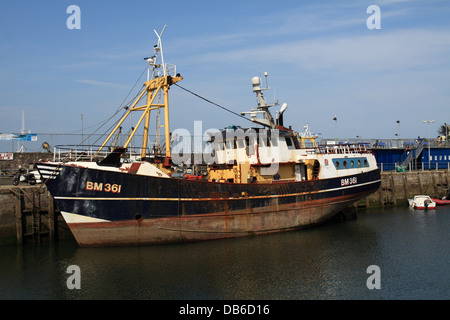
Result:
[{"x": 259, "y": 180}]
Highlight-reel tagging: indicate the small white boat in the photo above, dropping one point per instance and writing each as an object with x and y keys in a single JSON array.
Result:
[{"x": 422, "y": 202}]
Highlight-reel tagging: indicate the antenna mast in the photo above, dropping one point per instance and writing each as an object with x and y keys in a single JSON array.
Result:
[
  {"x": 263, "y": 107},
  {"x": 162, "y": 77},
  {"x": 22, "y": 132}
]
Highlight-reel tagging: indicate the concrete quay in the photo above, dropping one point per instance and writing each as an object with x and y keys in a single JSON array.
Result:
[
  {"x": 28, "y": 213},
  {"x": 397, "y": 187}
]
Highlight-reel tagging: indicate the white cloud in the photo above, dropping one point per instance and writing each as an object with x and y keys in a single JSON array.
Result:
[
  {"x": 385, "y": 51},
  {"x": 388, "y": 2}
]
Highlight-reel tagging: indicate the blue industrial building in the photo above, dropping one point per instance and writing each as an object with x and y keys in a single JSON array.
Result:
[
  {"x": 387, "y": 158},
  {"x": 420, "y": 158},
  {"x": 439, "y": 158},
  {"x": 404, "y": 154}
]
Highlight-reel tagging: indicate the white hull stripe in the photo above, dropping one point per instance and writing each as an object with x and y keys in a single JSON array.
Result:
[
  {"x": 49, "y": 172},
  {"x": 212, "y": 199},
  {"x": 78, "y": 218}
]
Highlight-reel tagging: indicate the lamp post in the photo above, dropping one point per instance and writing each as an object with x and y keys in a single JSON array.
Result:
[
  {"x": 398, "y": 121},
  {"x": 335, "y": 128},
  {"x": 429, "y": 153},
  {"x": 82, "y": 129},
  {"x": 446, "y": 133}
]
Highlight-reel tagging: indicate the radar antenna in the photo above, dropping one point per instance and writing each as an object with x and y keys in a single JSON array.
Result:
[{"x": 263, "y": 107}]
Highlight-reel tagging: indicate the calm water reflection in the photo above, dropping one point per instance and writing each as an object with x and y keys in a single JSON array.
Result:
[{"x": 329, "y": 262}]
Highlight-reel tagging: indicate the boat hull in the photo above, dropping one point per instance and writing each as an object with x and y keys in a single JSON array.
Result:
[
  {"x": 104, "y": 208},
  {"x": 422, "y": 203},
  {"x": 440, "y": 202}
]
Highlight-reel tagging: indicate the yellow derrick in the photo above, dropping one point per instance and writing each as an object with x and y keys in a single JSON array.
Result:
[{"x": 152, "y": 88}]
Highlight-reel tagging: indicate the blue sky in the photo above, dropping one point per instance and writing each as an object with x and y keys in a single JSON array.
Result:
[{"x": 321, "y": 58}]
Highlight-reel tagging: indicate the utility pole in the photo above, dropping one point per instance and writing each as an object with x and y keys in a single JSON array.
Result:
[{"x": 429, "y": 152}]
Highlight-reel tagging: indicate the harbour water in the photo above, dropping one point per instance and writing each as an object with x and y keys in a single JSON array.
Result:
[{"x": 330, "y": 262}]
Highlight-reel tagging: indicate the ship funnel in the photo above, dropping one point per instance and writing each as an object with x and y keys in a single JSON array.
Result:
[{"x": 280, "y": 114}]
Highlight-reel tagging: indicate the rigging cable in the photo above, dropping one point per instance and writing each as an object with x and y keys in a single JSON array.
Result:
[
  {"x": 218, "y": 105},
  {"x": 121, "y": 107}
]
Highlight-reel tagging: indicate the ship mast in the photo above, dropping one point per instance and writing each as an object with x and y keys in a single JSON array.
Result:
[
  {"x": 263, "y": 108},
  {"x": 160, "y": 76}
]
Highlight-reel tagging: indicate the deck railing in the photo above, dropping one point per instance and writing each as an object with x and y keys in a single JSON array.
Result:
[
  {"x": 344, "y": 148},
  {"x": 88, "y": 153},
  {"x": 423, "y": 166}
]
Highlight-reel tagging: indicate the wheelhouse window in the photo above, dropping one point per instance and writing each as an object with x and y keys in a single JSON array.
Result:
[{"x": 289, "y": 143}]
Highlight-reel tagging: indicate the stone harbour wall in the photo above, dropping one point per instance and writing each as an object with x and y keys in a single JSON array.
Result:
[{"x": 397, "y": 187}]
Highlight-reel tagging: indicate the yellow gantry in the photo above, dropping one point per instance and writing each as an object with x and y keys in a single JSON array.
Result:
[{"x": 152, "y": 88}]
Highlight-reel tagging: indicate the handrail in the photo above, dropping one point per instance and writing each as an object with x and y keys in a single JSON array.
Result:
[
  {"x": 343, "y": 149},
  {"x": 87, "y": 153},
  {"x": 411, "y": 153}
]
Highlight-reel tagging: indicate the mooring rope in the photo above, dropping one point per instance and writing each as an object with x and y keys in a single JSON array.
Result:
[{"x": 216, "y": 104}]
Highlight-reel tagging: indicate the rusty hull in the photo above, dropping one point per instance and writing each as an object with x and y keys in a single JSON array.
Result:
[{"x": 247, "y": 222}]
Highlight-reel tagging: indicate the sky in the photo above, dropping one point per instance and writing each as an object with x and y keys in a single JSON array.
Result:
[{"x": 321, "y": 57}]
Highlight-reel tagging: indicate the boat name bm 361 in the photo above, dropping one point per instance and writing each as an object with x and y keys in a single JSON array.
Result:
[
  {"x": 349, "y": 181},
  {"x": 108, "y": 187}
]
